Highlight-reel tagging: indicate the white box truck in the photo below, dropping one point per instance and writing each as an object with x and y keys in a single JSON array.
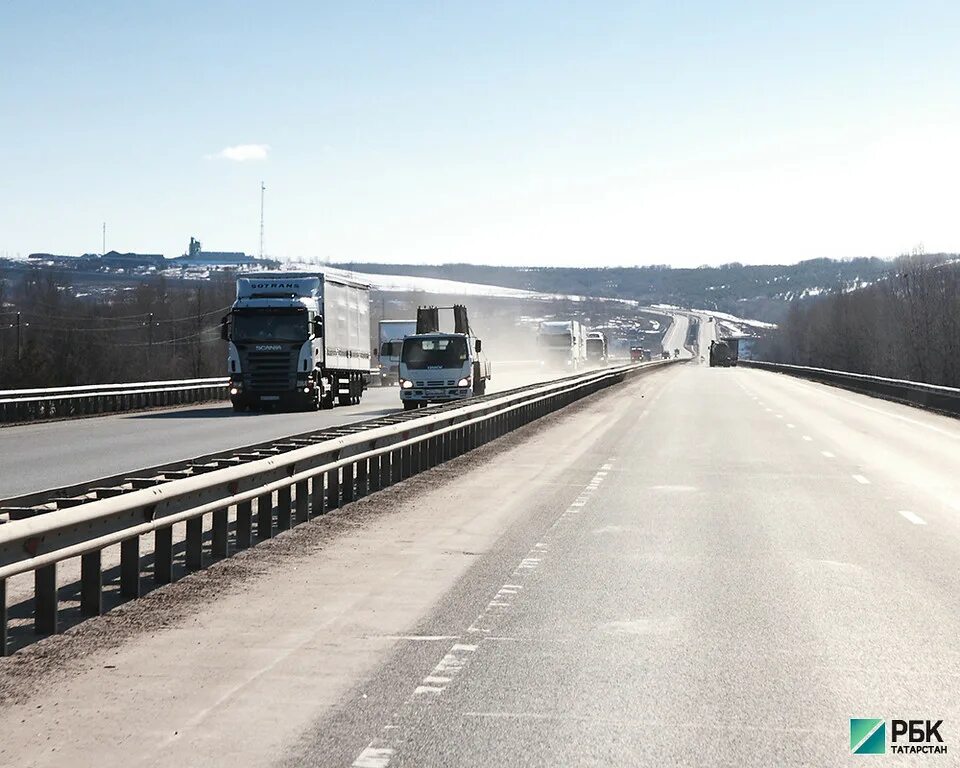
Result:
[
  {"x": 562, "y": 345},
  {"x": 437, "y": 367},
  {"x": 391, "y": 335},
  {"x": 297, "y": 340}
]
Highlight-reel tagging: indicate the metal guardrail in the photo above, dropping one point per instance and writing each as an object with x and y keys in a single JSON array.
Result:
[
  {"x": 930, "y": 396},
  {"x": 265, "y": 495},
  {"x": 17, "y": 405}
]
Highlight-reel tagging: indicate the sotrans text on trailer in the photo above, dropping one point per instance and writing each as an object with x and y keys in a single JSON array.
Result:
[{"x": 297, "y": 341}]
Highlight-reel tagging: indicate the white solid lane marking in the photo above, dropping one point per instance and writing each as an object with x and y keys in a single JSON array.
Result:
[
  {"x": 808, "y": 438},
  {"x": 827, "y": 454},
  {"x": 791, "y": 426},
  {"x": 913, "y": 517},
  {"x": 861, "y": 479}
]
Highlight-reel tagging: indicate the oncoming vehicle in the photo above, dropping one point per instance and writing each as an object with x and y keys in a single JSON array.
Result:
[
  {"x": 562, "y": 344},
  {"x": 298, "y": 341},
  {"x": 436, "y": 367},
  {"x": 596, "y": 347}
]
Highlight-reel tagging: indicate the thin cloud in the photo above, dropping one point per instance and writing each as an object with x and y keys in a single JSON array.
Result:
[{"x": 243, "y": 152}]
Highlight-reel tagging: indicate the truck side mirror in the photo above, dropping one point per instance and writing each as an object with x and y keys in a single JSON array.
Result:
[
  {"x": 476, "y": 346},
  {"x": 225, "y": 327},
  {"x": 318, "y": 326}
]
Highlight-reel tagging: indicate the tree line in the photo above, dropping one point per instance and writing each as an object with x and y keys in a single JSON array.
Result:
[
  {"x": 52, "y": 334},
  {"x": 906, "y": 325}
]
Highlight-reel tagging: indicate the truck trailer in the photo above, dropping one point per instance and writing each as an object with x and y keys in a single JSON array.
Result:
[
  {"x": 562, "y": 344},
  {"x": 391, "y": 335},
  {"x": 437, "y": 367},
  {"x": 298, "y": 340}
]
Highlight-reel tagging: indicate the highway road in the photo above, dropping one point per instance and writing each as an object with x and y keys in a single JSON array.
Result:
[
  {"x": 700, "y": 567},
  {"x": 676, "y": 335},
  {"x": 85, "y": 449}
]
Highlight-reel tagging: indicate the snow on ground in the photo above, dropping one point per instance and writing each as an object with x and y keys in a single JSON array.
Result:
[{"x": 738, "y": 320}]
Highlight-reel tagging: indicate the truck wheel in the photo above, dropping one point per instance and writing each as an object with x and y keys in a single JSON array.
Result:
[
  {"x": 409, "y": 405},
  {"x": 239, "y": 407},
  {"x": 480, "y": 387}
]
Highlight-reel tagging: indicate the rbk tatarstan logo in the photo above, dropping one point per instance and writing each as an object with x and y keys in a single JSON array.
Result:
[{"x": 868, "y": 736}]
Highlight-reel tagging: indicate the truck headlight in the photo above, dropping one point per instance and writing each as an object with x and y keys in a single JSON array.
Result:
[
  {"x": 234, "y": 391},
  {"x": 406, "y": 383},
  {"x": 464, "y": 382}
]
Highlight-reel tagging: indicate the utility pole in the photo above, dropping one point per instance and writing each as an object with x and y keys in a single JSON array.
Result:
[
  {"x": 150, "y": 346},
  {"x": 104, "y": 251},
  {"x": 263, "y": 188}
]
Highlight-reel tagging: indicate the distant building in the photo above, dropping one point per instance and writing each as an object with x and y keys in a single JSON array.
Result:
[{"x": 197, "y": 257}]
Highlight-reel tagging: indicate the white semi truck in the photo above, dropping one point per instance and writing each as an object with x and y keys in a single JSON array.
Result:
[
  {"x": 562, "y": 344},
  {"x": 436, "y": 367},
  {"x": 391, "y": 335},
  {"x": 297, "y": 340}
]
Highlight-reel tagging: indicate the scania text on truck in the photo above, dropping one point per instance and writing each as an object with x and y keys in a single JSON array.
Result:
[
  {"x": 297, "y": 340},
  {"x": 391, "y": 334},
  {"x": 562, "y": 344},
  {"x": 436, "y": 367}
]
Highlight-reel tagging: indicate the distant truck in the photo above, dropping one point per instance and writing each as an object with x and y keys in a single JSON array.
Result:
[
  {"x": 562, "y": 344},
  {"x": 723, "y": 353},
  {"x": 298, "y": 340},
  {"x": 391, "y": 334},
  {"x": 437, "y": 367},
  {"x": 636, "y": 354},
  {"x": 596, "y": 347}
]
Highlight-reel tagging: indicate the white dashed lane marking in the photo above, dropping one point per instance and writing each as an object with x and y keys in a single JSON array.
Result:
[
  {"x": 381, "y": 749},
  {"x": 913, "y": 517},
  {"x": 861, "y": 479},
  {"x": 807, "y": 438},
  {"x": 827, "y": 454}
]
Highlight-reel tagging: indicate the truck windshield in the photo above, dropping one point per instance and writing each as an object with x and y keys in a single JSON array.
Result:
[
  {"x": 555, "y": 340},
  {"x": 450, "y": 352},
  {"x": 269, "y": 325},
  {"x": 391, "y": 348}
]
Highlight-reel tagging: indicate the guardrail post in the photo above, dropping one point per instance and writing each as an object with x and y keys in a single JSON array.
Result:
[
  {"x": 318, "y": 493},
  {"x": 396, "y": 465},
  {"x": 432, "y": 452},
  {"x": 3, "y": 618},
  {"x": 375, "y": 476},
  {"x": 386, "y": 469},
  {"x": 130, "y": 567},
  {"x": 406, "y": 458},
  {"x": 91, "y": 584},
  {"x": 163, "y": 555},
  {"x": 333, "y": 488},
  {"x": 264, "y": 516},
  {"x": 218, "y": 544},
  {"x": 363, "y": 479},
  {"x": 195, "y": 543},
  {"x": 347, "y": 490},
  {"x": 302, "y": 501},
  {"x": 283, "y": 508},
  {"x": 45, "y": 600},
  {"x": 244, "y": 524}
]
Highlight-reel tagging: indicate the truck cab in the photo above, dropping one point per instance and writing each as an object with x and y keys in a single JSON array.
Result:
[
  {"x": 562, "y": 345},
  {"x": 439, "y": 367}
]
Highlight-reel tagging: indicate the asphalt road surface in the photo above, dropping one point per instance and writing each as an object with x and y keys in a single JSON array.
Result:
[
  {"x": 676, "y": 335},
  {"x": 34, "y": 457},
  {"x": 700, "y": 567}
]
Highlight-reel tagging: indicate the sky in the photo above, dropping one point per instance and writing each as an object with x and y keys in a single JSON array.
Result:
[{"x": 517, "y": 133}]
